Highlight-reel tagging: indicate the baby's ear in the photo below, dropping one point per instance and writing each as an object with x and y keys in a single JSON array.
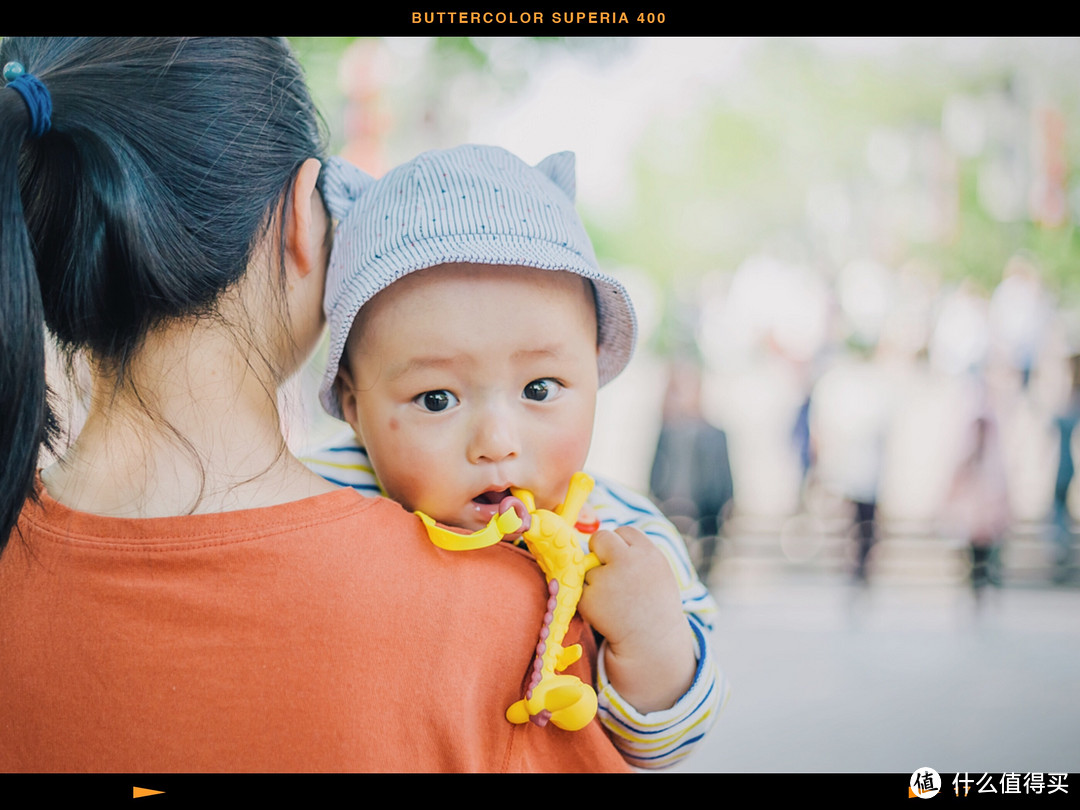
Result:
[
  {"x": 559, "y": 168},
  {"x": 346, "y": 393},
  {"x": 342, "y": 184}
]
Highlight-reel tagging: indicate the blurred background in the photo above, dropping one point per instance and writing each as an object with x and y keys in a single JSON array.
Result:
[{"x": 856, "y": 267}]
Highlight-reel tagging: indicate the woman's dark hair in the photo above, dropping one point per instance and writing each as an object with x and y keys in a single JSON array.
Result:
[{"x": 162, "y": 170}]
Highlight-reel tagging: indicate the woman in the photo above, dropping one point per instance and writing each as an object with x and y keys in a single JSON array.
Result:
[{"x": 177, "y": 592}]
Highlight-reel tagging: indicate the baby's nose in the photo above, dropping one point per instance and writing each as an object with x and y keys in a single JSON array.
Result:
[{"x": 495, "y": 438}]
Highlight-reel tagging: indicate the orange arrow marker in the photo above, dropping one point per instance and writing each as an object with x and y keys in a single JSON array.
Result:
[{"x": 137, "y": 792}]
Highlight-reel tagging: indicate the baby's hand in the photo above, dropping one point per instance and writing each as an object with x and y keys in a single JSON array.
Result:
[{"x": 632, "y": 598}]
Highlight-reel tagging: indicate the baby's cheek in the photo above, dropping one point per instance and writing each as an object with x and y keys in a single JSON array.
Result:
[
  {"x": 409, "y": 472},
  {"x": 566, "y": 455},
  {"x": 576, "y": 444},
  {"x": 413, "y": 489}
]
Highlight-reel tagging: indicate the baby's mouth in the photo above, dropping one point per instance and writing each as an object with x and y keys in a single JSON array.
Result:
[
  {"x": 504, "y": 501},
  {"x": 492, "y": 496}
]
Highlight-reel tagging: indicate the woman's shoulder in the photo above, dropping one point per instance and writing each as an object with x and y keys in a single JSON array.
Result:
[{"x": 45, "y": 515}]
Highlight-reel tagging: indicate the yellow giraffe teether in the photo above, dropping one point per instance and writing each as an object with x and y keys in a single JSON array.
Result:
[
  {"x": 563, "y": 700},
  {"x": 551, "y": 537}
]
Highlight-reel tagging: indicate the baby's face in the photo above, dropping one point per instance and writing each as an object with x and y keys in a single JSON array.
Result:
[{"x": 465, "y": 380}]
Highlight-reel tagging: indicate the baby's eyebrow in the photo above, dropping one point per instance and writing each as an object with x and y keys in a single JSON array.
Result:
[
  {"x": 553, "y": 351},
  {"x": 424, "y": 363},
  {"x": 437, "y": 361}
]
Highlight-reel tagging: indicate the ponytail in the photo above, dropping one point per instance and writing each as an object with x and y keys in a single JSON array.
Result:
[{"x": 26, "y": 421}]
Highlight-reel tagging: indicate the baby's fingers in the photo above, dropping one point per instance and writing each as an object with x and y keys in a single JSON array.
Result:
[{"x": 609, "y": 545}]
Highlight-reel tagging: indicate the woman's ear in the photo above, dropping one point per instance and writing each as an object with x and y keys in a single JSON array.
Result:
[{"x": 306, "y": 221}]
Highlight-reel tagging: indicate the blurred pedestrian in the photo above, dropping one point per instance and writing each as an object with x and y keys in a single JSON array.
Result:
[
  {"x": 802, "y": 440},
  {"x": 690, "y": 477},
  {"x": 1065, "y": 423},
  {"x": 978, "y": 500},
  {"x": 850, "y": 415},
  {"x": 1019, "y": 312}
]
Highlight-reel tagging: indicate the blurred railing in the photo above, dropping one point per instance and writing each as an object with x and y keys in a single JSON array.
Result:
[{"x": 906, "y": 552}]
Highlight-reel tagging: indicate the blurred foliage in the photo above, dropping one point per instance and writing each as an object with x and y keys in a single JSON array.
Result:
[
  {"x": 448, "y": 62},
  {"x": 740, "y": 180},
  {"x": 734, "y": 175},
  {"x": 456, "y": 53},
  {"x": 982, "y": 244}
]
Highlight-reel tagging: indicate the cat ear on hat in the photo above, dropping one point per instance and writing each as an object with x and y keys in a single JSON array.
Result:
[
  {"x": 342, "y": 185},
  {"x": 559, "y": 168}
]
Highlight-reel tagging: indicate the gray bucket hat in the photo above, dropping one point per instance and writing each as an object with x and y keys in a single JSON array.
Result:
[{"x": 470, "y": 204}]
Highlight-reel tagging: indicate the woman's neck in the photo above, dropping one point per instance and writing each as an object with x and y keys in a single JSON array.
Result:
[{"x": 194, "y": 428}]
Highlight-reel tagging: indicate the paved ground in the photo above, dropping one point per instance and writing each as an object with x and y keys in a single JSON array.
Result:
[{"x": 830, "y": 678}]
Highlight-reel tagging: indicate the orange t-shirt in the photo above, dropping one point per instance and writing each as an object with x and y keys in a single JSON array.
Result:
[{"x": 326, "y": 634}]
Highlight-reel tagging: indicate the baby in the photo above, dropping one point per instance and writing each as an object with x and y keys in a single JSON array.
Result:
[{"x": 470, "y": 329}]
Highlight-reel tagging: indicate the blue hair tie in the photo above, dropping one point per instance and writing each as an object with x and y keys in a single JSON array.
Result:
[{"x": 35, "y": 95}]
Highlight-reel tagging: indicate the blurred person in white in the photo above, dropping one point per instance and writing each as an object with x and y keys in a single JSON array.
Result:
[
  {"x": 850, "y": 414},
  {"x": 470, "y": 328},
  {"x": 1019, "y": 313}
]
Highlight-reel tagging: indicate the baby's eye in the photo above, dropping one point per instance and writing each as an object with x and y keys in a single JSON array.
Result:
[
  {"x": 542, "y": 390},
  {"x": 436, "y": 401}
]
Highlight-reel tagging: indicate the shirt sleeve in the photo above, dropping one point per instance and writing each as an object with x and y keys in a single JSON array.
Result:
[
  {"x": 341, "y": 460},
  {"x": 660, "y": 739}
]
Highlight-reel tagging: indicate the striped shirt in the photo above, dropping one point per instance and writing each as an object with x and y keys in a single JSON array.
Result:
[{"x": 654, "y": 740}]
